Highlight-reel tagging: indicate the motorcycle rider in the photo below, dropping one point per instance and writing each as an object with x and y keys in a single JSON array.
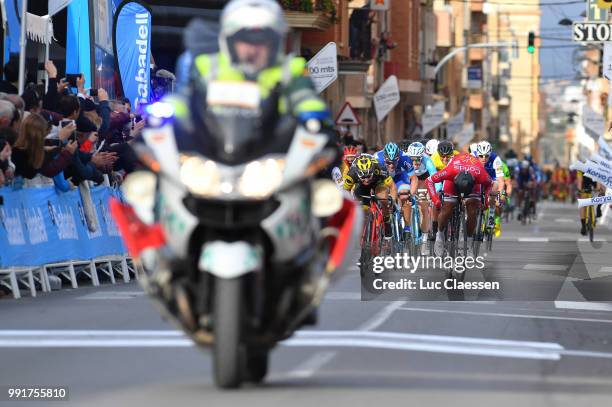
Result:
[{"x": 251, "y": 49}]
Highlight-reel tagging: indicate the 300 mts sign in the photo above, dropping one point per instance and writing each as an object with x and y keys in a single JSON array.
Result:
[{"x": 592, "y": 31}]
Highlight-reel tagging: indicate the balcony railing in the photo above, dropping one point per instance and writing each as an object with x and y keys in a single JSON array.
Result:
[{"x": 324, "y": 7}]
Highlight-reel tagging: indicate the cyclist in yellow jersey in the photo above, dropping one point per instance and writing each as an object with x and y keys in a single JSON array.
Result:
[
  {"x": 438, "y": 162},
  {"x": 444, "y": 153}
]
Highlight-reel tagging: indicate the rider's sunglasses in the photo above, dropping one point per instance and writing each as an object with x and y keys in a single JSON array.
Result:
[
  {"x": 417, "y": 159},
  {"x": 446, "y": 157},
  {"x": 483, "y": 156},
  {"x": 389, "y": 162}
]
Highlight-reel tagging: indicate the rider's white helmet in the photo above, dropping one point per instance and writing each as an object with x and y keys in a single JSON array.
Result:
[
  {"x": 431, "y": 147},
  {"x": 484, "y": 148},
  {"x": 255, "y": 22},
  {"x": 473, "y": 148},
  {"x": 416, "y": 150}
]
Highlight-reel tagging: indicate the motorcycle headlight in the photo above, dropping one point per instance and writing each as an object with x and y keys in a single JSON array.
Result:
[
  {"x": 261, "y": 178},
  {"x": 139, "y": 191},
  {"x": 201, "y": 176}
]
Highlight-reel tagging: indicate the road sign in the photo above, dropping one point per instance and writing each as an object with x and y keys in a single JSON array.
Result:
[
  {"x": 386, "y": 97},
  {"x": 455, "y": 124},
  {"x": 379, "y": 5},
  {"x": 474, "y": 74},
  {"x": 607, "y": 61},
  {"x": 347, "y": 116},
  {"x": 323, "y": 67},
  {"x": 433, "y": 117},
  {"x": 466, "y": 135},
  {"x": 593, "y": 122},
  {"x": 591, "y": 31}
]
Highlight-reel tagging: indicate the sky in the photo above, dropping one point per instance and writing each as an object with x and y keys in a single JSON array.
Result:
[{"x": 557, "y": 61}]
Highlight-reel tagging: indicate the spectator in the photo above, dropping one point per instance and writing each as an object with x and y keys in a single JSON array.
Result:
[
  {"x": 5, "y": 154},
  {"x": 54, "y": 90},
  {"x": 30, "y": 155},
  {"x": 7, "y": 113},
  {"x": 11, "y": 77},
  {"x": 7, "y": 167},
  {"x": 32, "y": 101}
]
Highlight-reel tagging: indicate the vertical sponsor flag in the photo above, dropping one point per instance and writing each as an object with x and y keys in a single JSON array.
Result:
[{"x": 132, "y": 43}]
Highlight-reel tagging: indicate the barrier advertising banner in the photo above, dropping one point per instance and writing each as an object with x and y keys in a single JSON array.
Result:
[
  {"x": 39, "y": 226},
  {"x": 132, "y": 44}
]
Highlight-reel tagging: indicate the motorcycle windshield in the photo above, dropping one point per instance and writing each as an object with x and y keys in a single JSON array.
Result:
[{"x": 234, "y": 135}]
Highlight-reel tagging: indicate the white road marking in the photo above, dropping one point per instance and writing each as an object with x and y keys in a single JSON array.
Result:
[
  {"x": 596, "y": 239},
  {"x": 380, "y": 318},
  {"x": 112, "y": 295},
  {"x": 533, "y": 239},
  {"x": 566, "y": 220},
  {"x": 606, "y": 269},
  {"x": 545, "y": 267},
  {"x": 322, "y": 339},
  {"x": 312, "y": 365},
  {"x": 507, "y": 315},
  {"x": 590, "y": 306},
  {"x": 342, "y": 295}
]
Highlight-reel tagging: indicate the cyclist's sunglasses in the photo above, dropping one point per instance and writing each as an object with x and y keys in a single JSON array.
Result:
[
  {"x": 390, "y": 162},
  {"x": 417, "y": 159},
  {"x": 483, "y": 156},
  {"x": 446, "y": 157}
]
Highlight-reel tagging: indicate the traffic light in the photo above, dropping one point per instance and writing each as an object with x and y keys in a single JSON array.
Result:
[{"x": 531, "y": 43}]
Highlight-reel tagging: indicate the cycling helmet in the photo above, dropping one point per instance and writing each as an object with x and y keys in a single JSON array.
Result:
[
  {"x": 416, "y": 150},
  {"x": 473, "y": 148},
  {"x": 483, "y": 148},
  {"x": 445, "y": 148},
  {"x": 431, "y": 147},
  {"x": 391, "y": 151},
  {"x": 464, "y": 183},
  {"x": 525, "y": 164},
  {"x": 256, "y": 22},
  {"x": 350, "y": 153},
  {"x": 365, "y": 167}
]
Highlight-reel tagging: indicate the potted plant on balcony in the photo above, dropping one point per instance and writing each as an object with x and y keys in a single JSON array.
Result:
[{"x": 309, "y": 14}]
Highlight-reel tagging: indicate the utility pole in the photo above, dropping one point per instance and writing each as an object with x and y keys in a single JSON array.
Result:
[{"x": 23, "y": 45}]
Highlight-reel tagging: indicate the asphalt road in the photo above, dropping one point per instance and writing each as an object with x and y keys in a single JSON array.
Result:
[{"x": 110, "y": 347}]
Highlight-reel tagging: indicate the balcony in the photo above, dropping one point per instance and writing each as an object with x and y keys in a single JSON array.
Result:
[{"x": 316, "y": 15}]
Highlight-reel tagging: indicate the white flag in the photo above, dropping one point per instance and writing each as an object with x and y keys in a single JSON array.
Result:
[
  {"x": 604, "y": 148},
  {"x": 606, "y": 199}
]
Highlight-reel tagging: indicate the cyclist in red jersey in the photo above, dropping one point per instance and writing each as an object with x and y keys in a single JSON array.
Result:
[{"x": 463, "y": 175}]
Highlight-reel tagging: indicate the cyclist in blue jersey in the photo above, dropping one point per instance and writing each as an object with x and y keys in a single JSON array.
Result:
[
  {"x": 495, "y": 168},
  {"x": 399, "y": 166},
  {"x": 423, "y": 168},
  {"x": 526, "y": 183},
  {"x": 539, "y": 180}
]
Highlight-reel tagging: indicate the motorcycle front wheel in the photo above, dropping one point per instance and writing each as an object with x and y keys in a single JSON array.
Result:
[{"x": 228, "y": 332}]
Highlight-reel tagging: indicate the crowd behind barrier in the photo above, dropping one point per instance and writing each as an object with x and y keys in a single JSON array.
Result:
[{"x": 43, "y": 231}]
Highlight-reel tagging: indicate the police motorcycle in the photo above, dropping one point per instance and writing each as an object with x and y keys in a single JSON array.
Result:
[{"x": 237, "y": 237}]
